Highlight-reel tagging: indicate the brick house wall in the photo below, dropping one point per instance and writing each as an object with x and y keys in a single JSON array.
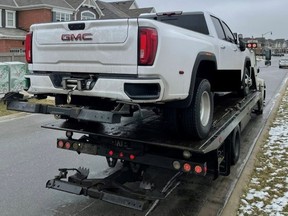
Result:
[
  {"x": 7, "y": 45},
  {"x": 29, "y": 17}
]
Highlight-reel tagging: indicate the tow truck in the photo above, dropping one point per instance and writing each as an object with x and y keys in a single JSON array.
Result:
[{"x": 151, "y": 160}]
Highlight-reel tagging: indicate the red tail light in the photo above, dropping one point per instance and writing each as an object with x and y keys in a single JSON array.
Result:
[
  {"x": 28, "y": 47},
  {"x": 132, "y": 157},
  {"x": 67, "y": 145},
  {"x": 198, "y": 169},
  {"x": 201, "y": 169},
  {"x": 60, "y": 144},
  {"x": 148, "y": 42},
  {"x": 187, "y": 167}
]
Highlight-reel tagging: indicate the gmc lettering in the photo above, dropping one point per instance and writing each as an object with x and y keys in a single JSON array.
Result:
[{"x": 78, "y": 37}]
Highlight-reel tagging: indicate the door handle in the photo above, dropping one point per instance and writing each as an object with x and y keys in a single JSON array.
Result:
[{"x": 222, "y": 47}]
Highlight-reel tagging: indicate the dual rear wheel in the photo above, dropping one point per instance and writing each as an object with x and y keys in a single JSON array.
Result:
[{"x": 195, "y": 121}]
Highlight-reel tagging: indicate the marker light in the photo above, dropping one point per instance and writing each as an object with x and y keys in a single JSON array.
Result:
[
  {"x": 121, "y": 155},
  {"x": 110, "y": 153}
]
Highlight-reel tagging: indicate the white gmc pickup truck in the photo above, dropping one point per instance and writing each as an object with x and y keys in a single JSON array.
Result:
[{"x": 168, "y": 62}]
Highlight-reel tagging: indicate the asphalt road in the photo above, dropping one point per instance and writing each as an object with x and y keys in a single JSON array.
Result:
[{"x": 29, "y": 157}]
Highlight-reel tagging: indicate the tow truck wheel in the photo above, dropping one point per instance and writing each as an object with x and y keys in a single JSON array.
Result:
[
  {"x": 235, "y": 141},
  {"x": 196, "y": 120},
  {"x": 260, "y": 103}
]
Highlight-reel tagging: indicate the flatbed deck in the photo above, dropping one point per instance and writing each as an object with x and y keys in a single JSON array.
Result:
[{"x": 150, "y": 129}]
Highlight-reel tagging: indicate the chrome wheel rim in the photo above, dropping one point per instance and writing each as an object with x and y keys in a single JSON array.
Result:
[{"x": 205, "y": 108}]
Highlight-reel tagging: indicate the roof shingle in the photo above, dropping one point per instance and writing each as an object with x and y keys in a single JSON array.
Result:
[
  {"x": 53, "y": 3},
  {"x": 8, "y": 3}
]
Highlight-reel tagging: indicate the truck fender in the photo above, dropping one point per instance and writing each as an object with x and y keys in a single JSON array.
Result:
[{"x": 202, "y": 56}]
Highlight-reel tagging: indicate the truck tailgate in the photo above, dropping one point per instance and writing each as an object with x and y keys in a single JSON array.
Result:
[{"x": 106, "y": 46}]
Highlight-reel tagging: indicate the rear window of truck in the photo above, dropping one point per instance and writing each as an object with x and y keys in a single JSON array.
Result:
[{"x": 193, "y": 22}]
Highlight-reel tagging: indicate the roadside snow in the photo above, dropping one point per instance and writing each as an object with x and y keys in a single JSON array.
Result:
[{"x": 267, "y": 190}]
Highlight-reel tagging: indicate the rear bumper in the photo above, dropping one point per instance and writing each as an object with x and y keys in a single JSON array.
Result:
[{"x": 132, "y": 90}]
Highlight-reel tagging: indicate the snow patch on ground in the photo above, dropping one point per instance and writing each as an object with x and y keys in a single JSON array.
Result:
[{"x": 267, "y": 191}]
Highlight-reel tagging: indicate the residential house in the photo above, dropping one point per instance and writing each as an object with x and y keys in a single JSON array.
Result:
[
  {"x": 16, "y": 16},
  {"x": 280, "y": 46}
]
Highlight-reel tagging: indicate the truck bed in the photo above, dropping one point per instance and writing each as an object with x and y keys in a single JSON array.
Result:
[{"x": 150, "y": 129}]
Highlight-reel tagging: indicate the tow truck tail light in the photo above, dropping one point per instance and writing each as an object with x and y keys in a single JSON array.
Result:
[
  {"x": 201, "y": 169},
  {"x": 198, "y": 169},
  {"x": 187, "y": 167},
  {"x": 110, "y": 153},
  {"x": 28, "y": 47},
  {"x": 148, "y": 42},
  {"x": 132, "y": 157},
  {"x": 60, "y": 144},
  {"x": 251, "y": 45},
  {"x": 67, "y": 145}
]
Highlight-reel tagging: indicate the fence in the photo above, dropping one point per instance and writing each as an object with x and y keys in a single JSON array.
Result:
[{"x": 11, "y": 57}]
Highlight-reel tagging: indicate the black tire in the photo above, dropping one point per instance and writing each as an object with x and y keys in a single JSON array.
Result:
[
  {"x": 260, "y": 107},
  {"x": 196, "y": 120},
  {"x": 245, "y": 88},
  {"x": 260, "y": 103},
  {"x": 234, "y": 140}
]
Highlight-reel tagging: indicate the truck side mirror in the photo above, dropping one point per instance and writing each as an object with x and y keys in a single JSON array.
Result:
[
  {"x": 242, "y": 44},
  {"x": 236, "y": 37}
]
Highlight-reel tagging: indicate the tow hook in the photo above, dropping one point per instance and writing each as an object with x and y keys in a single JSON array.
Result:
[{"x": 69, "y": 95}]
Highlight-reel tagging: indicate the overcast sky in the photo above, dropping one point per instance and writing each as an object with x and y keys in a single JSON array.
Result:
[{"x": 249, "y": 17}]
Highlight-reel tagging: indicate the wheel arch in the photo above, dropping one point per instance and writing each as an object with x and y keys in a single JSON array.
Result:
[
  {"x": 247, "y": 62},
  {"x": 203, "y": 65}
]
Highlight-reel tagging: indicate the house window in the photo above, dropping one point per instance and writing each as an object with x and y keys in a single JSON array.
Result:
[
  {"x": 10, "y": 19},
  {"x": 87, "y": 15},
  {"x": 61, "y": 17}
]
